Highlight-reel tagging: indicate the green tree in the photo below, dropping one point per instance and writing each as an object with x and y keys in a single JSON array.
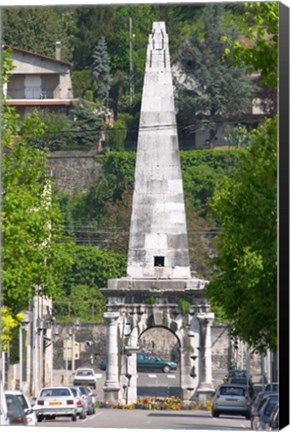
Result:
[
  {"x": 34, "y": 253},
  {"x": 101, "y": 71},
  {"x": 90, "y": 270},
  {"x": 214, "y": 90},
  {"x": 245, "y": 281},
  {"x": 38, "y": 28},
  {"x": 257, "y": 50},
  {"x": 58, "y": 132},
  {"x": 87, "y": 123}
]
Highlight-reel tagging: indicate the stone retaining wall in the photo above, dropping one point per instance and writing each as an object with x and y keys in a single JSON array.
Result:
[{"x": 74, "y": 170}]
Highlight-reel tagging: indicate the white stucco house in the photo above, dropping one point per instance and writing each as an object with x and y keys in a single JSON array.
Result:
[{"x": 38, "y": 81}]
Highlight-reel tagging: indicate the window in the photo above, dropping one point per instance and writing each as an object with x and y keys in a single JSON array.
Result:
[{"x": 159, "y": 261}]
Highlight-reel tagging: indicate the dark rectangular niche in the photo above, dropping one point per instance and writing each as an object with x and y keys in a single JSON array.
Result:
[{"x": 159, "y": 261}]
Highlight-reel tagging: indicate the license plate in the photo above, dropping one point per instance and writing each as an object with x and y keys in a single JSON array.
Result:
[
  {"x": 55, "y": 403},
  {"x": 232, "y": 399}
]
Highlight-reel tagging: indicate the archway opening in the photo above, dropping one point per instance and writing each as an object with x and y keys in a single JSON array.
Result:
[{"x": 158, "y": 363}]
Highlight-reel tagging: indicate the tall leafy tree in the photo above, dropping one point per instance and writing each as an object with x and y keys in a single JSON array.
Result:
[
  {"x": 245, "y": 284},
  {"x": 213, "y": 90},
  {"x": 245, "y": 280},
  {"x": 101, "y": 70}
]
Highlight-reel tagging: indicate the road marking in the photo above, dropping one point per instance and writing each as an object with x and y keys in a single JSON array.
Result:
[
  {"x": 152, "y": 376},
  {"x": 171, "y": 376},
  {"x": 92, "y": 417},
  {"x": 98, "y": 375},
  {"x": 243, "y": 426}
]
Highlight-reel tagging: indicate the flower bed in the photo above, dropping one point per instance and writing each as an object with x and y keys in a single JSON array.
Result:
[{"x": 173, "y": 404}]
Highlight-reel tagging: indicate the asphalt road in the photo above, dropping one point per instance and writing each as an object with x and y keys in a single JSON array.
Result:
[{"x": 145, "y": 419}]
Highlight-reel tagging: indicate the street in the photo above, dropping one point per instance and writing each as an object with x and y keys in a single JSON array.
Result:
[
  {"x": 151, "y": 384},
  {"x": 146, "y": 419}
]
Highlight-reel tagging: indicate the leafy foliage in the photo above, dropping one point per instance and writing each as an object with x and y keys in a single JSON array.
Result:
[
  {"x": 8, "y": 323},
  {"x": 245, "y": 282},
  {"x": 214, "y": 89},
  {"x": 90, "y": 269},
  {"x": 38, "y": 28},
  {"x": 87, "y": 123},
  {"x": 258, "y": 49},
  {"x": 33, "y": 253}
]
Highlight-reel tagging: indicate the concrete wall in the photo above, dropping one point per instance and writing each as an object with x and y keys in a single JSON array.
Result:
[{"x": 74, "y": 170}]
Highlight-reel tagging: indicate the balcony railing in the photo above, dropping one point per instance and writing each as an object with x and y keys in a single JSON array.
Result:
[{"x": 38, "y": 93}]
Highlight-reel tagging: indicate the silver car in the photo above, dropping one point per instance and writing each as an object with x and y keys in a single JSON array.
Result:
[
  {"x": 231, "y": 399},
  {"x": 55, "y": 402},
  {"x": 89, "y": 398},
  {"x": 81, "y": 404}
]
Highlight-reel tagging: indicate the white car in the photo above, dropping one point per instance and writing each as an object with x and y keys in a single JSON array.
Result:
[
  {"x": 86, "y": 377},
  {"x": 26, "y": 405},
  {"x": 55, "y": 402}
]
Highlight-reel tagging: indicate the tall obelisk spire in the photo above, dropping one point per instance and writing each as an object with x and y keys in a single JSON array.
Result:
[{"x": 158, "y": 246}]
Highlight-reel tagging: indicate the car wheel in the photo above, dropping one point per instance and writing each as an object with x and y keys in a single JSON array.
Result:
[
  {"x": 83, "y": 415},
  {"x": 74, "y": 417},
  {"x": 215, "y": 414},
  {"x": 39, "y": 418},
  {"x": 166, "y": 369}
]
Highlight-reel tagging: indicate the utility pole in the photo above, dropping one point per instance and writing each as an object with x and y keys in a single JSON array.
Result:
[{"x": 131, "y": 37}]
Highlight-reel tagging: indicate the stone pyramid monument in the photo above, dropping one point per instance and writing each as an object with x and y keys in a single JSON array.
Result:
[{"x": 158, "y": 260}]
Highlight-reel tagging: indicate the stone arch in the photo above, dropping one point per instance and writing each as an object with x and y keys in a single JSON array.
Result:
[{"x": 145, "y": 346}]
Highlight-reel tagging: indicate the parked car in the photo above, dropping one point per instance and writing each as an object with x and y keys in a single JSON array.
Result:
[
  {"x": 149, "y": 361},
  {"x": 15, "y": 412},
  {"x": 265, "y": 413},
  {"x": 274, "y": 419},
  {"x": 258, "y": 402},
  {"x": 89, "y": 399},
  {"x": 274, "y": 386},
  {"x": 231, "y": 399},
  {"x": 238, "y": 373},
  {"x": 245, "y": 382},
  {"x": 102, "y": 364},
  {"x": 55, "y": 402},
  {"x": 81, "y": 404},
  {"x": 25, "y": 403},
  {"x": 85, "y": 376}
]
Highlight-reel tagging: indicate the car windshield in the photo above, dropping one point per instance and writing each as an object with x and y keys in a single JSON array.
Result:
[
  {"x": 272, "y": 387},
  {"x": 13, "y": 407},
  {"x": 83, "y": 390},
  {"x": 84, "y": 373},
  {"x": 238, "y": 373},
  {"x": 233, "y": 391},
  {"x": 75, "y": 393},
  {"x": 55, "y": 392},
  {"x": 239, "y": 380},
  {"x": 269, "y": 407},
  {"x": 22, "y": 401}
]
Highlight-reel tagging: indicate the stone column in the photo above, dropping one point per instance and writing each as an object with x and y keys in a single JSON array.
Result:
[
  {"x": 112, "y": 385},
  {"x": 206, "y": 387}
]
